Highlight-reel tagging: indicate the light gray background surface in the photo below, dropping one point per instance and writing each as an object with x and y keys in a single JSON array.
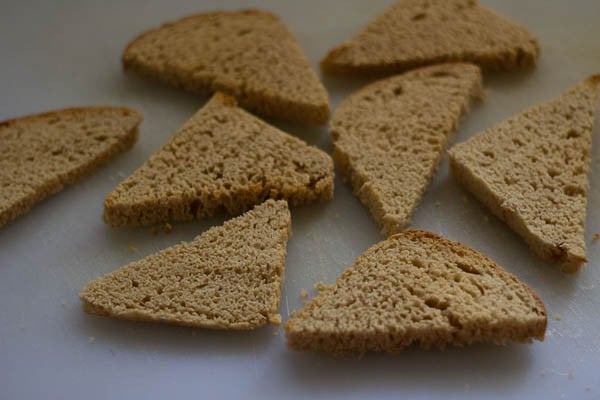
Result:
[{"x": 67, "y": 53}]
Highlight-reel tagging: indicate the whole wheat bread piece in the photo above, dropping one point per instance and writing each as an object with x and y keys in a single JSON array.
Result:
[
  {"x": 389, "y": 137},
  {"x": 42, "y": 153},
  {"x": 229, "y": 277},
  {"x": 250, "y": 54},
  {"x": 531, "y": 172},
  {"x": 222, "y": 159},
  {"x": 417, "y": 288},
  {"x": 414, "y": 33}
]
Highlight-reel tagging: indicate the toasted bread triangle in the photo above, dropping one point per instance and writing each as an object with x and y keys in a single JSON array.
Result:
[
  {"x": 390, "y": 136},
  {"x": 41, "y": 154},
  {"x": 229, "y": 277},
  {"x": 417, "y": 288},
  {"x": 250, "y": 54},
  {"x": 223, "y": 158},
  {"x": 531, "y": 171},
  {"x": 414, "y": 33}
]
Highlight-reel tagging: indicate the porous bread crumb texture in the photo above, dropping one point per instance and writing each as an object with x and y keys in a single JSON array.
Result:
[
  {"x": 390, "y": 136},
  {"x": 414, "y": 33},
  {"x": 229, "y": 277},
  {"x": 531, "y": 172},
  {"x": 42, "y": 153},
  {"x": 223, "y": 158},
  {"x": 417, "y": 288},
  {"x": 249, "y": 54}
]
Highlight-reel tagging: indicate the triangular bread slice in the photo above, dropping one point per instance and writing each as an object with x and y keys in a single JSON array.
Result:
[
  {"x": 250, "y": 54},
  {"x": 417, "y": 288},
  {"x": 414, "y": 33},
  {"x": 390, "y": 136},
  {"x": 223, "y": 158},
  {"x": 531, "y": 171},
  {"x": 41, "y": 154},
  {"x": 229, "y": 277}
]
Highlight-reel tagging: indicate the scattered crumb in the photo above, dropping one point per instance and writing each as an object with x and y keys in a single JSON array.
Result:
[
  {"x": 132, "y": 248},
  {"x": 168, "y": 228},
  {"x": 154, "y": 230},
  {"x": 275, "y": 319},
  {"x": 595, "y": 237},
  {"x": 486, "y": 219},
  {"x": 558, "y": 317},
  {"x": 276, "y": 332},
  {"x": 320, "y": 286},
  {"x": 438, "y": 204},
  {"x": 303, "y": 294},
  {"x": 121, "y": 174},
  {"x": 571, "y": 375},
  {"x": 91, "y": 339}
]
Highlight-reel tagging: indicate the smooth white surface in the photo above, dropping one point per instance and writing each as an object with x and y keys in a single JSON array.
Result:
[{"x": 66, "y": 53}]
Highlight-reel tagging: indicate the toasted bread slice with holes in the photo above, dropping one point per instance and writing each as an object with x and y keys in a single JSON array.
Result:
[
  {"x": 390, "y": 136},
  {"x": 223, "y": 158},
  {"x": 417, "y": 288},
  {"x": 531, "y": 172},
  {"x": 41, "y": 154},
  {"x": 249, "y": 54},
  {"x": 414, "y": 33},
  {"x": 230, "y": 277}
]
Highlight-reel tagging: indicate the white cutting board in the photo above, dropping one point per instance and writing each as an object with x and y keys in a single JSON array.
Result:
[{"x": 66, "y": 53}]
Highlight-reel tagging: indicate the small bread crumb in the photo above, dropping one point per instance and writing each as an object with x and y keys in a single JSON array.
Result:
[
  {"x": 132, "y": 248},
  {"x": 121, "y": 174},
  {"x": 91, "y": 339},
  {"x": 276, "y": 332},
  {"x": 595, "y": 237},
  {"x": 168, "y": 228},
  {"x": 275, "y": 319},
  {"x": 303, "y": 294},
  {"x": 558, "y": 317}
]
